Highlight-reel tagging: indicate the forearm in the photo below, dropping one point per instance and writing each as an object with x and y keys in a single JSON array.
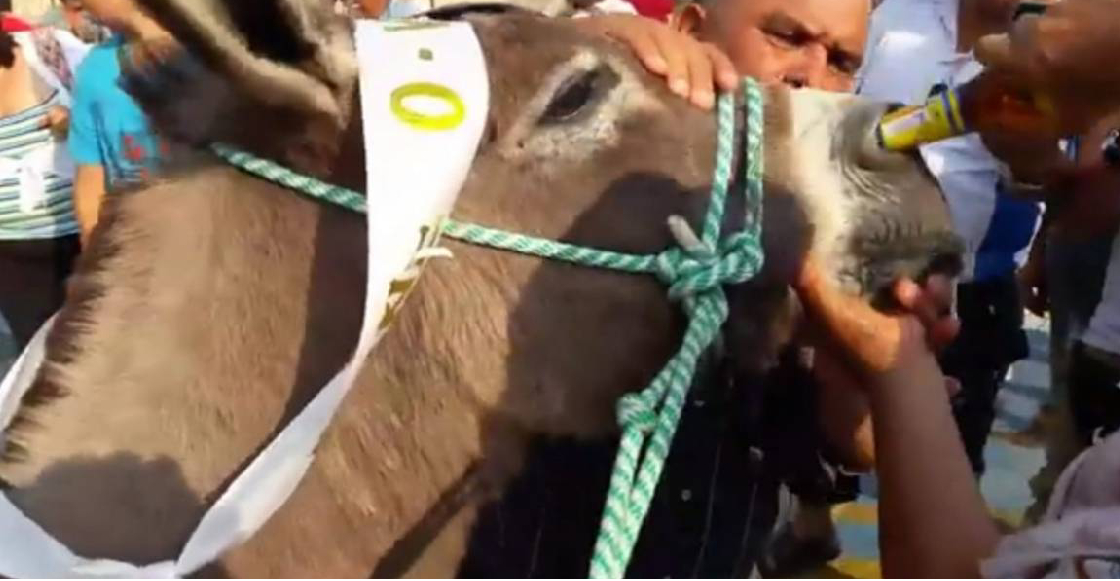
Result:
[
  {"x": 933, "y": 522},
  {"x": 846, "y": 422},
  {"x": 89, "y": 190}
]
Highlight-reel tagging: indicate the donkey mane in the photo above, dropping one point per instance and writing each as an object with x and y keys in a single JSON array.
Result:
[{"x": 73, "y": 322}]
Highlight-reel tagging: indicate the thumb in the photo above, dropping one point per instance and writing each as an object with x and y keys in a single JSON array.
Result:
[
  {"x": 866, "y": 336},
  {"x": 994, "y": 51}
]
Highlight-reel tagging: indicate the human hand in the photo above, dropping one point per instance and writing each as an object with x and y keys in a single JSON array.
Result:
[
  {"x": 1031, "y": 159},
  {"x": 870, "y": 344},
  {"x": 58, "y": 121},
  {"x": 694, "y": 70},
  {"x": 1067, "y": 54}
]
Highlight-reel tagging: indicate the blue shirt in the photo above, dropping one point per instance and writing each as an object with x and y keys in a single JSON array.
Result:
[
  {"x": 1010, "y": 231},
  {"x": 107, "y": 127}
]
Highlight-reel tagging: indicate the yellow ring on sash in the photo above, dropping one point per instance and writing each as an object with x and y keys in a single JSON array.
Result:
[{"x": 424, "y": 121}]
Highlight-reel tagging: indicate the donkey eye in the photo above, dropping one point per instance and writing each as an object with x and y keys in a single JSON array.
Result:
[{"x": 577, "y": 92}]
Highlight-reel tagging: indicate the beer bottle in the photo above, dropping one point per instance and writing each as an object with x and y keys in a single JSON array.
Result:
[{"x": 984, "y": 103}]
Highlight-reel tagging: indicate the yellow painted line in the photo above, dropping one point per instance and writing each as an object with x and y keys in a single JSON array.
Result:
[
  {"x": 857, "y": 568},
  {"x": 1011, "y": 518},
  {"x": 856, "y": 513}
]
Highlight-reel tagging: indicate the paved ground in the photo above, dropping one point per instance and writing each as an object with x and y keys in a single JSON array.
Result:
[{"x": 1012, "y": 455}]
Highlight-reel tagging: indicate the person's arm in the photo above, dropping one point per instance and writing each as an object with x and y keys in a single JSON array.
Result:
[
  {"x": 932, "y": 519},
  {"x": 89, "y": 178},
  {"x": 89, "y": 191},
  {"x": 845, "y": 420}
]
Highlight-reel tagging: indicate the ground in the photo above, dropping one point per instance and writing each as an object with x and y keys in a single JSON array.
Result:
[{"x": 1013, "y": 456}]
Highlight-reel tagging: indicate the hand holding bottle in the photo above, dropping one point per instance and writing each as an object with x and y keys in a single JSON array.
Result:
[{"x": 1067, "y": 54}]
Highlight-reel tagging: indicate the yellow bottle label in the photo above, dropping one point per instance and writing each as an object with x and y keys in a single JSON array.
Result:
[{"x": 907, "y": 128}]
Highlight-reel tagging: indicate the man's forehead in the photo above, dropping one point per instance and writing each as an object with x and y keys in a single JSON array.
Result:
[{"x": 843, "y": 22}]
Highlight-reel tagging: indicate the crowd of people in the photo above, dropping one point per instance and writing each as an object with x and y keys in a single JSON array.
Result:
[{"x": 913, "y": 396}]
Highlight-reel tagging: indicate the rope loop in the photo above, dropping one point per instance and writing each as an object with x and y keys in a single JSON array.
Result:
[
  {"x": 635, "y": 413},
  {"x": 688, "y": 273}
]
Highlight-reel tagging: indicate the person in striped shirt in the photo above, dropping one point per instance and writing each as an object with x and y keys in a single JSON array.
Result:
[{"x": 38, "y": 230}]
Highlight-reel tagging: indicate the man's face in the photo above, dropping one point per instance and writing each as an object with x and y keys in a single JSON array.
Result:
[{"x": 813, "y": 43}]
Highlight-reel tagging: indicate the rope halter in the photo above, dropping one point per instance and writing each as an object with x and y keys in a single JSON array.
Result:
[{"x": 695, "y": 272}]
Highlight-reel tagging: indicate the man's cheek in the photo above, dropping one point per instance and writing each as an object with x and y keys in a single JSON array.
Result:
[{"x": 841, "y": 84}]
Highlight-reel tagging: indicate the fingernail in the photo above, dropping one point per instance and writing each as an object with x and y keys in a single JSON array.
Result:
[
  {"x": 679, "y": 86},
  {"x": 729, "y": 81},
  {"x": 704, "y": 99},
  {"x": 656, "y": 64}
]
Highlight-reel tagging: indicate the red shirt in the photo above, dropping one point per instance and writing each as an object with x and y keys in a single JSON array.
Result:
[
  {"x": 9, "y": 23},
  {"x": 655, "y": 9}
]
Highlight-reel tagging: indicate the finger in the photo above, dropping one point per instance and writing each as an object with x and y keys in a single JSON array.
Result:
[
  {"x": 676, "y": 65},
  {"x": 700, "y": 75},
  {"x": 727, "y": 77},
  {"x": 994, "y": 51},
  {"x": 942, "y": 333},
  {"x": 952, "y": 386},
  {"x": 940, "y": 289},
  {"x": 1013, "y": 54},
  {"x": 646, "y": 49},
  {"x": 918, "y": 302}
]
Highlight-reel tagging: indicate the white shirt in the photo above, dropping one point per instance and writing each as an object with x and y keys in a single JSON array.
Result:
[
  {"x": 74, "y": 51},
  {"x": 911, "y": 47},
  {"x": 1104, "y": 327}
]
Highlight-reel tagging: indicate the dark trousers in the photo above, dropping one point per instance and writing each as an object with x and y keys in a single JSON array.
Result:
[
  {"x": 991, "y": 339},
  {"x": 32, "y": 281},
  {"x": 1094, "y": 394},
  {"x": 797, "y": 451},
  {"x": 711, "y": 514}
]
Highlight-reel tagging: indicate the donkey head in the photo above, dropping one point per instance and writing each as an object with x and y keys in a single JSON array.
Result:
[{"x": 582, "y": 145}]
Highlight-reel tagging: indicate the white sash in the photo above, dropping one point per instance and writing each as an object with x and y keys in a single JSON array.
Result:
[{"x": 425, "y": 96}]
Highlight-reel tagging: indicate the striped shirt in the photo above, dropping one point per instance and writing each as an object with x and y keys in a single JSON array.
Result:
[{"x": 36, "y": 178}]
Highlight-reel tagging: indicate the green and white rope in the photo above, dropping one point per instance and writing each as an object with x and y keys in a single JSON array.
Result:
[
  {"x": 695, "y": 273},
  {"x": 649, "y": 418}
]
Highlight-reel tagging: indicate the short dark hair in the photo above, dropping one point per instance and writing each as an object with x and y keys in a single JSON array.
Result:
[{"x": 7, "y": 50}]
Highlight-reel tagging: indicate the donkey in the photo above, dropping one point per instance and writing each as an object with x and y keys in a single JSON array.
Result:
[{"x": 212, "y": 304}]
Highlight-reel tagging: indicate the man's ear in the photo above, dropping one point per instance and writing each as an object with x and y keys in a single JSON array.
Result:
[{"x": 689, "y": 18}]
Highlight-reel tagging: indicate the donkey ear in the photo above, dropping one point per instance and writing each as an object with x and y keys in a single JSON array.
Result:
[{"x": 293, "y": 54}]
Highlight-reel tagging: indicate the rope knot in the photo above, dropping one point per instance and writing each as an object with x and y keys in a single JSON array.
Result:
[
  {"x": 634, "y": 412},
  {"x": 695, "y": 267}
]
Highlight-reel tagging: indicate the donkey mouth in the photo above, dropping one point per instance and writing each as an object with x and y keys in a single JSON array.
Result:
[{"x": 882, "y": 260}]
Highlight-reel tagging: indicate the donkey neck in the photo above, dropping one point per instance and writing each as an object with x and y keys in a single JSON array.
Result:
[{"x": 218, "y": 313}]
